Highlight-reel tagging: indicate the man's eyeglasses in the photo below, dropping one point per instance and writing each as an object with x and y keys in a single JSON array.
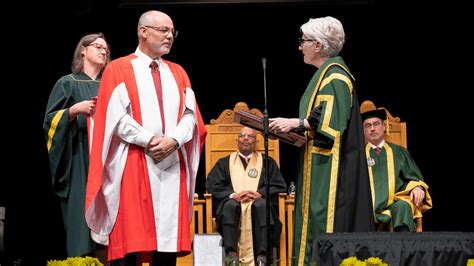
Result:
[
  {"x": 374, "y": 124},
  {"x": 250, "y": 136},
  {"x": 301, "y": 41},
  {"x": 164, "y": 30},
  {"x": 100, "y": 47}
]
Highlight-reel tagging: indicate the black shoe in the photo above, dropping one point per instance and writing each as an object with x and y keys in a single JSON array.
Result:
[
  {"x": 261, "y": 259},
  {"x": 231, "y": 259}
]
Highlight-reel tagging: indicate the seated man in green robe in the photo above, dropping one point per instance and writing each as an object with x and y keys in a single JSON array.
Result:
[
  {"x": 399, "y": 194},
  {"x": 238, "y": 193}
]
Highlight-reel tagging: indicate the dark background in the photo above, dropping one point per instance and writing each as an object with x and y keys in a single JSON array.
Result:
[{"x": 411, "y": 59}]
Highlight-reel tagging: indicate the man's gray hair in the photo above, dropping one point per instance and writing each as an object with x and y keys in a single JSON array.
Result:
[{"x": 145, "y": 19}]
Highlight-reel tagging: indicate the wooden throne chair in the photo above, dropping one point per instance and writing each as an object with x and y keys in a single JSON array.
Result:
[{"x": 221, "y": 140}]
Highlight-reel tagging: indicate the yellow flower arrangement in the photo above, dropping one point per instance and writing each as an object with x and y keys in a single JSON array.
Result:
[
  {"x": 353, "y": 261},
  {"x": 76, "y": 261}
]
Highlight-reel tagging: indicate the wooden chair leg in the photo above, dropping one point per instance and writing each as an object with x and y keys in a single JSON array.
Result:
[{"x": 419, "y": 225}]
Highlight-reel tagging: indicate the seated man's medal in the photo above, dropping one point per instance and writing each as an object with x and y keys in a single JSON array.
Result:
[{"x": 253, "y": 173}]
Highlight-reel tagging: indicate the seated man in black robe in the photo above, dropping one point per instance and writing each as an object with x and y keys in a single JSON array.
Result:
[{"x": 238, "y": 191}]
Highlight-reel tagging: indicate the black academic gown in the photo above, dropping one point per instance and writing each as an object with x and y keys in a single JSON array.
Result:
[{"x": 219, "y": 184}]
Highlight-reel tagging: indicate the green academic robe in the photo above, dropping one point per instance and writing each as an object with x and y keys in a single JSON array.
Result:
[
  {"x": 333, "y": 192},
  {"x": 391, "y": 173},
  {"x": 69, "y": 156}
]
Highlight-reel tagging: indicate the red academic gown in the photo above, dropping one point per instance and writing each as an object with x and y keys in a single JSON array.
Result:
[{"x": 132, "y": 203}]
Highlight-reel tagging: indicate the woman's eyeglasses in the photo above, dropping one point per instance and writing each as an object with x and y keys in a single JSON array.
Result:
[
  {"x": 100, "y": 47},
  {"x": 301, "y": 41}
]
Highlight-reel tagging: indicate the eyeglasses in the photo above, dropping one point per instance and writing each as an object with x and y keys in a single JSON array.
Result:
[
  {"x": 100, "y": 47},
  {"x": 301, "y": 41},
  {"x": 374, "y": 124},
  {"x": 250, "y": 136},
  {"x": 164, "y": 30}
]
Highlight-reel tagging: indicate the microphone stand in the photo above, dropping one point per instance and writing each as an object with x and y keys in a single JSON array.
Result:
[{"x": 266, "y": 176}]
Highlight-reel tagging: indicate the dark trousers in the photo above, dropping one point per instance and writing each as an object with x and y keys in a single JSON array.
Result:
[
  {"x": 228, "y": 226},
  {"x": 159, "y": 259}
]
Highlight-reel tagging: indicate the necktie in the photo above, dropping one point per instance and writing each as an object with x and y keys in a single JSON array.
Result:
[
  {"x": 155, "y": 73},
  {"x": 377, "y": 150}
]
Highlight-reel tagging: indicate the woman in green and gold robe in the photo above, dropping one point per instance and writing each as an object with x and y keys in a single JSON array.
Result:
[
  {"x": 332, "y": 193},
  {"x": 68, "y": 115}
]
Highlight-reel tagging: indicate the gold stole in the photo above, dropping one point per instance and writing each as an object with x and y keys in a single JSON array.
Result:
[
  {"x": 390, "y": 177},
  {"x": 245, "y": 180}
]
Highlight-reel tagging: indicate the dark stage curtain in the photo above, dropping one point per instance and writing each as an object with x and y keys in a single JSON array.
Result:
[{"x": 417, "y": 249}]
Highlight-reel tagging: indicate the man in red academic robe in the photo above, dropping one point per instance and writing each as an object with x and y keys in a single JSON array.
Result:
[{"x": 145, "y": 151}]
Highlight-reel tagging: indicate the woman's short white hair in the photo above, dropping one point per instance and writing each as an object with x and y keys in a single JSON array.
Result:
[{"x": 328, "y": 31}]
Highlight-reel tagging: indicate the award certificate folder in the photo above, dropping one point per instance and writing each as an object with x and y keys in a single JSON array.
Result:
[{"x": 250, "y": 120}]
